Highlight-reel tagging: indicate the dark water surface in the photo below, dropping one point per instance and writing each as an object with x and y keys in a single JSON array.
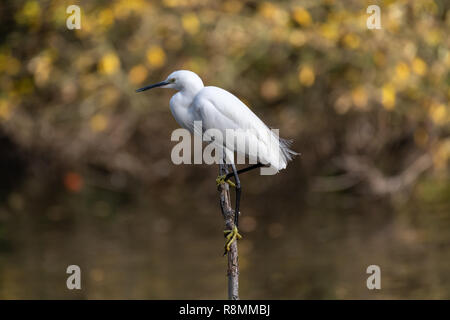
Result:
[{"x": 155, "y": 245}]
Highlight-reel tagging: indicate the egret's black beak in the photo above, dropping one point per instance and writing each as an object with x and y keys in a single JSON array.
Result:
[{"x": 159, "y": 84}]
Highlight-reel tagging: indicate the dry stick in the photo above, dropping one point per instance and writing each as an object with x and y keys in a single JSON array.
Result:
[{"x": 228, "y": 215}]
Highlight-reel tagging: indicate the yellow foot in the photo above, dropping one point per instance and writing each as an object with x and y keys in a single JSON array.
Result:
[
  {"x": 231, "y": 236},
  {"x": 221, "y": 180}
]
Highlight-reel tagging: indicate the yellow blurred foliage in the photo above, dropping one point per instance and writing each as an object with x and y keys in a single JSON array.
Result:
[
  {"x": 30, "y": 13},
  {"x": 446, "y": 58},
  {"x": 267, "y": 10},
  {"x": 273, "y": 13},
  {"x": 58, "y": 15},
  {"x": 190, "y": 23},
  {"x": 98, "y": 123},
  {"x": 89, "y": 26},
  {"x": 329, "y": 31},
  {"x": 302, "y": 16},
  {"x": 297, "y": 38},
  {"x": 379, "y": 58},
  {"x": 441, "y": 154},
  {"x": 268, "y": 51},
  {"x": 359, "y": 97},
  {"x": 439, "y": 114},
  {"x": 156, "y": 56},
  {"x": 109, "y": 63},
  {"x": 433, "y": 37},
  {"x": 41, "y": 67},
  {"x": 106, "y": 17},
  {"x": 419, "y": 66},
  {"x": 138, "y": 74},
  {"x": 171, "y": 3},
  {"x": 5, "y": 109},
  {"x": 388, "y": 96},
  {"x": 9, "y": 64},
  {"x": 197, "y": 65},
  {"x": 351, "y": 41},
  {"x": 123, "y": 8},
  {"x": 306, "y": 76},
  {"x": 401, "y": 71},
  {"x": 232, "y": 6}
]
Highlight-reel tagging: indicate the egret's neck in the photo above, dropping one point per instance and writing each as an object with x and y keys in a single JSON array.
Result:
[
  {"x": 182, "y": 100},
  {"x": 190, "y": 90},
  {"x": 180, "y": 107}
]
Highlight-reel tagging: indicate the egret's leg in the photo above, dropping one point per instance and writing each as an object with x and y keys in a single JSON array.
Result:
[
  {"x": 255, "y": 166},
  {"x": 238, "y": 194},
  {"x": 233, "y": 235},
  {"x": 226, "y": 177}
]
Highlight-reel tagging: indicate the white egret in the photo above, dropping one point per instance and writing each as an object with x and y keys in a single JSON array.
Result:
[{"x": 218, "y": 109}]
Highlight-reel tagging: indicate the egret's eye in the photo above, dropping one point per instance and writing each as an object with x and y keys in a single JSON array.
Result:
[{"x": 172, "y": 80}]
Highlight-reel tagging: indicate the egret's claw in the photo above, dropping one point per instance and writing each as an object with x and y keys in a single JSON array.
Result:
[
  {"x": 231, "y": 235},
  {"x": 221, "y": 180}
]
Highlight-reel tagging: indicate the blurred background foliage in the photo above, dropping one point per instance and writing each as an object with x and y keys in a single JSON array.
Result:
[{"x": 86, "y": 176}]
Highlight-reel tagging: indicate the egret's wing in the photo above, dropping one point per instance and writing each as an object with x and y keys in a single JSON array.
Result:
[
  {"x": 239, "y": 115},
  {"x": 219, "y": 109},
  {"x": 213, "y": 121}
]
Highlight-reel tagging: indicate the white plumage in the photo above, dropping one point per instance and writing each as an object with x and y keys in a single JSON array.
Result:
[{"x": 218, "y": 109}]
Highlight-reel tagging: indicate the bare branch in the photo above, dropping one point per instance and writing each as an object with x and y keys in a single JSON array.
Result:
[
  {"x": 378, "y": 182},
  {"x": 228, "y": 215}
]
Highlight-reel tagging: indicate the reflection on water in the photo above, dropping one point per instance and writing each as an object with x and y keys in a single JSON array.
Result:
[{"x": 168, "y": 245}]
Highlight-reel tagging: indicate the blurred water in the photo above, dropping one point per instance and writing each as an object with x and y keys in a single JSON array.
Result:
[{"x": 168, "y": 245}]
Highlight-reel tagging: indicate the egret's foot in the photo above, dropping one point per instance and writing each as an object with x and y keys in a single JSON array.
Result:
[
  {"x": 221, "y": 180},
  {"x": 231, "y": 235}
]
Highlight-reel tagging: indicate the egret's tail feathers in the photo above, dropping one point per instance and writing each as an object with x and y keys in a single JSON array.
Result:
[
  {"x": 286, "y": 152},
  {"x": 282, "y": 154}
]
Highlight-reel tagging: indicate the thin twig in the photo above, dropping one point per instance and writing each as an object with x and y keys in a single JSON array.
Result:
[{"x": 228, "y": 215}]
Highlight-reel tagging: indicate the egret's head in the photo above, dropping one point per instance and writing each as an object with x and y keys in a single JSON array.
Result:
[{"x": 178, "y": 80}]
